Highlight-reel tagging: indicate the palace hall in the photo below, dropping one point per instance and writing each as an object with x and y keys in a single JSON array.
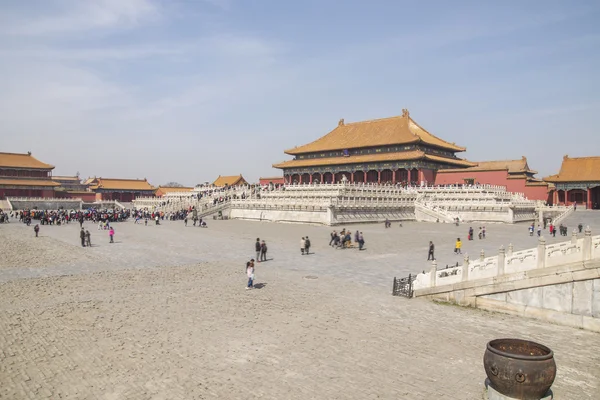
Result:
[
  {"x": 578, "y": 181},
  {"x": 21, "y": 174},
  {"x": 388, "y": 150}
]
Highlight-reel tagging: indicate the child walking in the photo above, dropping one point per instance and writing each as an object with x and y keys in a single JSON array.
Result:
[
  {"x": 250, "y": 273},
  {"x": 111, "y": 233}
]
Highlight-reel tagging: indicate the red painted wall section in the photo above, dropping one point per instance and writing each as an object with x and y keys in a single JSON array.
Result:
[
  {"x": 275, "y": 181},
  {"x": 428, "y": 176},
  {"x": 494, "y": 178},
  {"x": 483, "y": 177}
]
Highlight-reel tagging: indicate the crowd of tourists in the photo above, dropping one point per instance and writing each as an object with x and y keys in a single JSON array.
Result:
[{"x": 343, "y": 239}]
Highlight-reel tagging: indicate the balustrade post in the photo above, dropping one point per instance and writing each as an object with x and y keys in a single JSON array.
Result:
[
  {"x": 501, "y": 260},
  {"x": 587, "y": 244},
  {"x": 541, "y": 256},
  {"x": 481, "y": 255},
  {"x": 465, "y": 268},
  {"x": 510, "y": 250},
  {"x": 433, "y": 274},
  {"x": 574, "y": 237}
]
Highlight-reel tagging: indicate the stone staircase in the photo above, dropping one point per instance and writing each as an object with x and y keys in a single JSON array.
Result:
[
  {"x": 431, "y": 213},
  {"x": 5, "y": 205}
]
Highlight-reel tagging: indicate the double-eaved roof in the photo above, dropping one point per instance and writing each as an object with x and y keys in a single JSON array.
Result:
[
  {"x": 378, "y": 157},
  {"x": 580, "y": 169},
  {"x": 122, "y": 184},
  {"x": 399, "y": 130},
  {"x": 22, "y": 160}
]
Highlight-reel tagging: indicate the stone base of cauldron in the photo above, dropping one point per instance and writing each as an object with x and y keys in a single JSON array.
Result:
[{"x": 491, "y": 394}]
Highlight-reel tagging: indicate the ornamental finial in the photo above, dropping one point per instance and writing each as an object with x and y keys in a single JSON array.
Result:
[
  {"x": 405, "y": 113},
  {"x": 341, "y": 123}
]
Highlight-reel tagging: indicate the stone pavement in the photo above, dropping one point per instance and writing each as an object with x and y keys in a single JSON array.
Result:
[
  {"x": 128, "y": 323},
  {"x": 389, "y": 252}
]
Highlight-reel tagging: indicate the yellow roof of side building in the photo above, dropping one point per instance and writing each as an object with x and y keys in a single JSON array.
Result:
[
  {"x": 122, "y": 184},
  {"x": 580, "y": 169},
  {"x": 399, "y": 130},
  {"x": 230, "y": 180},
  {"x": 19, "y": 160}
]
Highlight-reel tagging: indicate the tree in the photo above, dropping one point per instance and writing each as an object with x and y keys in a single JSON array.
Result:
[{"x": 172, "y": 184}]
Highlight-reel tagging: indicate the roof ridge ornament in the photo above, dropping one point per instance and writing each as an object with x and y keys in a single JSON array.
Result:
[
  {"x": 341, "y": 123},
  {"x": 405, "y": 113}
]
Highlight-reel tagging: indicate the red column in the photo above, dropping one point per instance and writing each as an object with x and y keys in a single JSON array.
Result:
[
  {"x": 351, "y": 177},
  {"x": 321, "y": 180},
  {"x": 393, "y": 177},
  {"x": 364, "y": 176},
  {"x": 310, "y": 178},
  {"x": 555, "y": 197},
  {"x": 408, "y": 173},
  {"x": 379, "y": 176},
  {"x": 589, "y": 199}
]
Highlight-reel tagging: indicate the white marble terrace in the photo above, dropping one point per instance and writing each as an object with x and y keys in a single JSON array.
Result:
[{"x": 487, "y": 203}]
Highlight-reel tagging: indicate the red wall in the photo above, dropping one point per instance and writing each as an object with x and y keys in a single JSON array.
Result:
[
  {"x": 493, "y": 178},
  {"x": 268, "y": 180},
  {"x": 26, "y": 193}
]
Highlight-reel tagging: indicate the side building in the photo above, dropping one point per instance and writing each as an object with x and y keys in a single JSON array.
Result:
[
  {"x": 233, "y": 180},
  {"x": 22, "y": 175},
  {"x": 578, "y": 181},
  {"x": 388, "y": 150},
  {"x": 514, "y": 174},
  {"x": 121, "y": 189}
]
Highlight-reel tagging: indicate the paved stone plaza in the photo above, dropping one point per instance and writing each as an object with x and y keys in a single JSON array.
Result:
[{"x": 163, "y": 314}]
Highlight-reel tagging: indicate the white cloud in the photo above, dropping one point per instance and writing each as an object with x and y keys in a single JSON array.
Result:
[{"x": 76, "y": 15}]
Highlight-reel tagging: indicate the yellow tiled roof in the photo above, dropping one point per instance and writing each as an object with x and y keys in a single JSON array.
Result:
[
  {"x": 28, "y": 182},
  {"x": 366, "y": 158},
  {"x": 397, "y": 130},
  {"x": 581, "y": 169},
  {"x": 175, "y": 188},
  {"x": 230, "y": 180},
  {"x": 18, "y": 160},
  {"x": 512, "y": 166},
  {"x": 66, "y": 178},
  {"x": 125, "y": 184}
]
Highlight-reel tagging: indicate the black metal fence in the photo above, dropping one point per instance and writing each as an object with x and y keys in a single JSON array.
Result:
[{"x": 403, "y": 286}]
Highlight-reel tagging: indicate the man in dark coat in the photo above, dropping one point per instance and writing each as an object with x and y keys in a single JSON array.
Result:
[{"x": 82, "y": 236}]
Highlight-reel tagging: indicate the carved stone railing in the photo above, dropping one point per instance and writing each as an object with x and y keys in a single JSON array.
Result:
[{"x": 507, "y": 262}]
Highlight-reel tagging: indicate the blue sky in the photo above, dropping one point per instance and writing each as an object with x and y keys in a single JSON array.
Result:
[{"x": 185, "y": 90}]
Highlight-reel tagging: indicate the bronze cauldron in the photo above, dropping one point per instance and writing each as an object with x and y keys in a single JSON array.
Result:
[{"x": 519, "y": 368}]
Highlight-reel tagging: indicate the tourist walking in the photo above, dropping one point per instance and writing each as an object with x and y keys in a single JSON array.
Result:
[
  {"x": 307, "y": 246},
  {"x": 250, "y": 274},
  {"x": 111, "y": 233},
  {"x": 531, "y": 228},
  {"x": 302, "y": 245},
  {"x": 82, "y": 237},
  {"x": 257, "y": 249},
  {"x": 483, "y": 232},
  {"x": 88, "y": 238},
  {"x": 458, "y": 246},
  {"x": 36, "y": 229},
  {"x": 333, "y": 236},
  {"x": 263, "y": 251},
  {"x": 430, "y": 255},
  {"x": 361, "y": 241},
  {"x": 539, "y": 231}
]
